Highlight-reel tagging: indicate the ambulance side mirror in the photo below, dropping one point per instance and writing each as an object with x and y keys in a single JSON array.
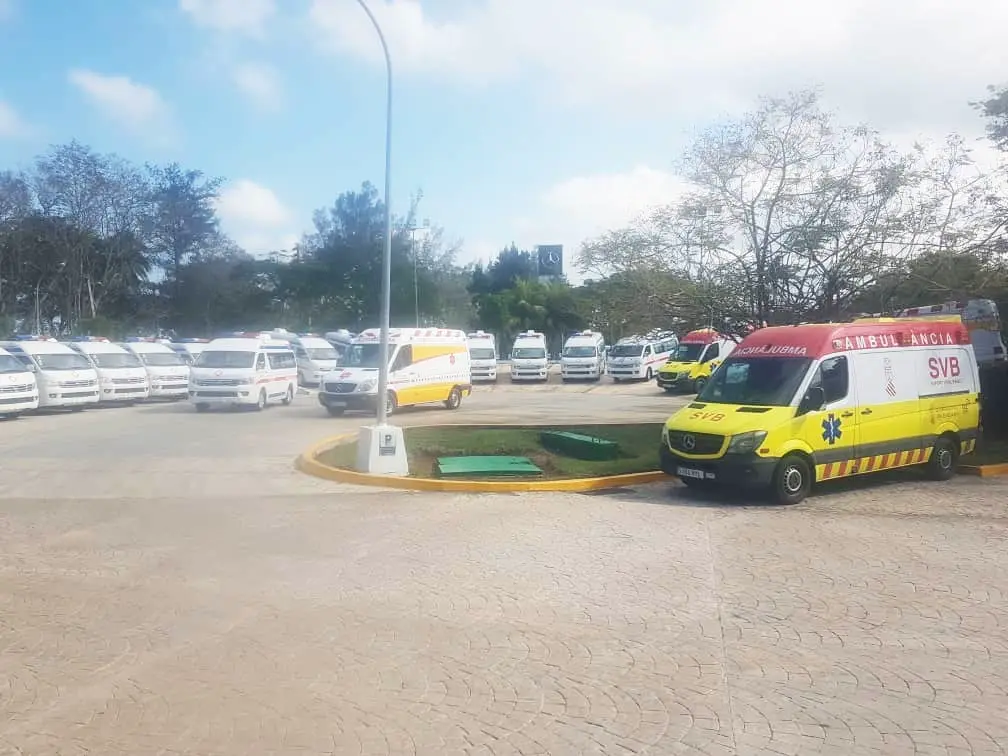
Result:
[{"x": 815, "y": 400}]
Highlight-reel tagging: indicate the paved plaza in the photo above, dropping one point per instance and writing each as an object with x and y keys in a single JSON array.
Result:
[{"x": 169, "y": 584}]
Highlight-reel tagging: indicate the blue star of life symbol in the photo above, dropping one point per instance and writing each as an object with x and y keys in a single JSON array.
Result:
[{"x": 831, "y": 429}]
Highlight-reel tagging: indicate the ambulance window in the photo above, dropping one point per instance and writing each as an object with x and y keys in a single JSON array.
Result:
[
  {"x": 647, "y": 351},
  {"x": 404, "y": 358},
  {"x": 833, "y": 378},
  {"x": 260, "y": 362},
  {"x": 712, "y": 353}
]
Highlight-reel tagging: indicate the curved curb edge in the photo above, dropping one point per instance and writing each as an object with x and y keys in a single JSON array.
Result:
[
  {"x": 984, "y": 471},
  {"x": 308, "y": 463}
]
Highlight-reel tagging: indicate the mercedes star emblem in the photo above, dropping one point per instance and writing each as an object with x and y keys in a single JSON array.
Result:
[{"x": 689, "y": 442}]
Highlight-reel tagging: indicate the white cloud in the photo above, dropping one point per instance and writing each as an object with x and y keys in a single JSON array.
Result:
[
  {"x": 256, "y": 218},
  {"x": 895, "y": 62},
  {"x": 12, "y": 126},
  {"x": 260, "y": 83},
  {"x": 233, "y": 16},
  {"x": 137, "y": 106}
]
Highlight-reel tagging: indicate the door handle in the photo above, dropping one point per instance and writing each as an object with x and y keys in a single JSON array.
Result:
[
  {"x": 847, "y": 414},
  {"x": 866, "y": 412}
]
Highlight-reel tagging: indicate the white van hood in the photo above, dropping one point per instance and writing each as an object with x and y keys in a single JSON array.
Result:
[
  {"x": 364, "y": 379},
  {"x": 122, "y": 373},
  {"x": 221, "y": 376}
]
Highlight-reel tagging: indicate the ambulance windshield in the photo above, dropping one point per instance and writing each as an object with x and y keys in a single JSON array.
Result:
[
  {"x": 687, "y": 353},
  {"x": 763, "y": 381}
]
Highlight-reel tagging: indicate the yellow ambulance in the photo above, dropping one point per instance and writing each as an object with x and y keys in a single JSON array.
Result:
[
  {"x": 690, "y": 366},
  {"x": 797, "y": 405}
]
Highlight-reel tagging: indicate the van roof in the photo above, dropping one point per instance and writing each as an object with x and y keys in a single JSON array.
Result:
[
  {"x": 821, "y": 339},
  {"x": 48, "y": 346},
  {"x": 246, "y": 345},
  {"x": 147, "y": 347},
  {"x": 96, "y": 347},
  {"x": 411, "y": 335},
  {"x": 701, "y": 336}
]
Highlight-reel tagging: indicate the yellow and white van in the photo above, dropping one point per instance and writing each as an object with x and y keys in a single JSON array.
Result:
[
  {"x": 425, "y": 365},
  {"x": 794, "y": 406},
  {"x": 250, "y": 370},
  {"x": 694, "y": 360},
  {"x": 18, "y": 388}
]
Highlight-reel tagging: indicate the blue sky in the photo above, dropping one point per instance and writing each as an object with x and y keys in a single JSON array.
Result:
[{"x": 533, "y": 122}]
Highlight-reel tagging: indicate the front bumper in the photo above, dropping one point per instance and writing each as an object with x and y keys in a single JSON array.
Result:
[
  {"x": 484, "y": 375},
  {"x": 169, "y": 390},
  {"x": 667, "y": 381},
  {"x": 349, "y": 401},
  {"x": 246, "y": 394},
  {"x": 530, "y": 374},
  {"x": 737, "y": 471}
]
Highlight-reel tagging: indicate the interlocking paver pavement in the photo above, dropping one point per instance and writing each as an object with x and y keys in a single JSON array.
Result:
[{"x": 175, "y": 588}]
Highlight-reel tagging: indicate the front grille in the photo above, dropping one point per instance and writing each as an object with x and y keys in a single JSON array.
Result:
[
  {"x": 218, "y": 394},
  {"x": 340, "y": 388},
  {"x": 704, "y": 443},
  {"x": 218, "y": 382},
  {"x": 127, "y": 381},
  {"x": 75, "y": 384},
  {"x": 13, "y": 400},
  {"x": 8, "y": 389}
]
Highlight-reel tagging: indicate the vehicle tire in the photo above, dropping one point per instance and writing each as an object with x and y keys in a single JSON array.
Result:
[
  {"x": 698, "y": 384},
  {"x": 391, "y": 404},
  {"x": 202, "y": 407},
  {"x": 289, "y": 396},
  {"x": 78, "y": 408},
  {"x": 261, "y": 403},
  {"x": 336, "y": 411},
  {"x": 944, "y": 457},
  {"x": 454, "y": 400},
  {"x": 792, "y": 480},
  {"x": 616, "y": 380},
  {"x": 649, "y": 375},
  {"x": 668, "y": 390}
]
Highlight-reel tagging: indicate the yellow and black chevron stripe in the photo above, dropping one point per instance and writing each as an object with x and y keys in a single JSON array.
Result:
[{"x": 845, "y": 468}]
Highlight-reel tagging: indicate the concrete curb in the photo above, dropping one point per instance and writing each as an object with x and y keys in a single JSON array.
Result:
[
  {"x": 308, "y": 463},
  {"x": 984, "y": 471}
]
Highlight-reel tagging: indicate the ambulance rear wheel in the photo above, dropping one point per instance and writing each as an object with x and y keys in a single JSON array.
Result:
[
  {"x": 944, "y": 457},
  {"x": 649, "y": 375},
  {"x": 698, "y": 384},
  {"x": 289, "y": 396},
  {"x": 792, "y": 480},
  {"x": 454, "y": 400}
]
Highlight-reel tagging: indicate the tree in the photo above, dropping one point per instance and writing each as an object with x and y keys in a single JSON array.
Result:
[
  {"x": 995, "y": 110},
  {"x": 183, "y": 224}
]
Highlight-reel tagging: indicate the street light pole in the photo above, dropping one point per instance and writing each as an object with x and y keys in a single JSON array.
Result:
[
  {"x": 386, "y": 290},
  {"x": 416, "y": 286}
]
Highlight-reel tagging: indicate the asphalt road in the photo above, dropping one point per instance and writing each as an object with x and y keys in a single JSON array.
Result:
[{"x": 169, "y": 584}]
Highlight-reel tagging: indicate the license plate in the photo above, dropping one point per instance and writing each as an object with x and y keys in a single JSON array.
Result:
[
  {"x": 689, "y": 472},
  {"x": 337, "y": 404}
]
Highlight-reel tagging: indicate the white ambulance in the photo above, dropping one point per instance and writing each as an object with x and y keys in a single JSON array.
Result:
[
  {"x": 583, "y": 357},
  {"x": 251, "y": 370},
  {"x": 425, "y": 365},
  {"x": 188, "y": 349},
  {"x": 18, "y": 388},
  {"x": 639, "y": 357},
  {"x": 982, "y": 320},
  {"x": 316, "y": 358},
  {"x": 482, "y": 356},
  {"x": 121, "y": 375},
  {"x": 167, "y": 372},
  {"x": 529, "y": 360},
  {"x": 64, "y": 377}
]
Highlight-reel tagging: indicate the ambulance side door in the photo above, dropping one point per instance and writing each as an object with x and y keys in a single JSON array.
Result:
[
  {"x": 832, "y": 430},
  {"x": 889, "y": 405}
]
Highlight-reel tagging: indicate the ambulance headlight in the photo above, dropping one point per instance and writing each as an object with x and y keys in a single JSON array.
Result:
[
  {"x": 366, "y": 386},
  {"x": 745, "y": 443}
]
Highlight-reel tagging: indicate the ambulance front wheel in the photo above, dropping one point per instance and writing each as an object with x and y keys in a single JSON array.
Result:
[
  {"x": 792, "y": 480},
  {"x": 944, "y": 456},
  {"x": 698, "y": 384}
]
